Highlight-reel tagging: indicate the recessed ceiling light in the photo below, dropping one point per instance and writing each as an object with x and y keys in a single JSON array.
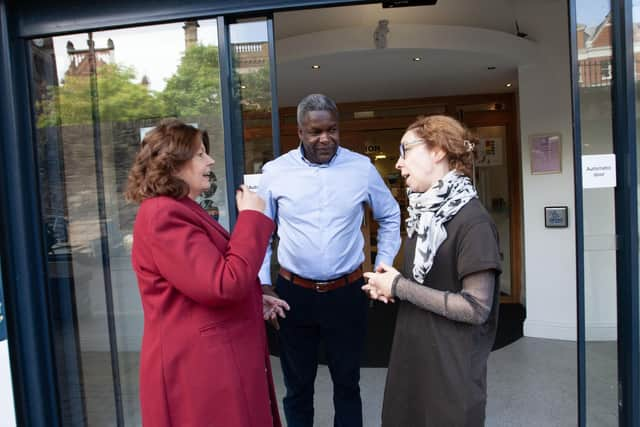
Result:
[
  {"x": 417, "y": 58},
  {"x": 243, "y": 87},
  {"x": 315, "y": 66},
  {"x": 491, "y": 68},
  {"x": 508, "y": 85}
]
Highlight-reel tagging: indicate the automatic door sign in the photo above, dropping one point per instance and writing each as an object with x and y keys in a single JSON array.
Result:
[{"x": 599, "y": 171}]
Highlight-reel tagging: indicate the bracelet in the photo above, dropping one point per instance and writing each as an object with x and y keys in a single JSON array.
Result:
[{"x": 394, "y": 284}]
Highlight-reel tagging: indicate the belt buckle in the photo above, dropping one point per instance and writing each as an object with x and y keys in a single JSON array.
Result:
[{"x": 319, "y": 287}]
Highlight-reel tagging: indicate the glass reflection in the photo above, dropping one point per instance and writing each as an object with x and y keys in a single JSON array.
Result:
[
  {"x": 594, "y": 81},
  {"x": 95, "y": 95},
  {"x": 251, "y": 69}
]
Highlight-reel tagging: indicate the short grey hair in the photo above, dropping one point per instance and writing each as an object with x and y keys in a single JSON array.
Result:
[{"x": 315, "y": 102}]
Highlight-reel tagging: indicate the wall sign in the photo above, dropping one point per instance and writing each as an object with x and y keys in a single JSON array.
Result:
[
  {"x": 556, "y": 216},
  {"x": 599, "y": 171},
  {"x": 546, "y": 153},
  {"x": 372, "y": 148}
]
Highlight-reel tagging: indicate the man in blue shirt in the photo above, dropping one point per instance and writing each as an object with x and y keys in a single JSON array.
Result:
[{"x": 316, "y": 195}]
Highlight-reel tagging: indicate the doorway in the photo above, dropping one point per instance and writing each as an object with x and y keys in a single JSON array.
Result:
[
  {"x": 467, "y": 61},
  {"x": 374, "y": 129}
]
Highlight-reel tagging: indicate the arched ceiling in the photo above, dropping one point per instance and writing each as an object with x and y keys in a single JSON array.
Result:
[{"x": 459, "y": 43}]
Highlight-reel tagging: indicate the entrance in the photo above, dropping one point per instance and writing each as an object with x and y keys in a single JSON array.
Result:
[{"x": 384, "y": 67}]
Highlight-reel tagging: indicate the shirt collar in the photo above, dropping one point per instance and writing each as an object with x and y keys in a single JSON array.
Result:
[{"x": 318, "y": 165}]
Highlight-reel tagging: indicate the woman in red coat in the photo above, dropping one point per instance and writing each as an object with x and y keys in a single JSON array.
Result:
[{"x": 204, "y": 358}]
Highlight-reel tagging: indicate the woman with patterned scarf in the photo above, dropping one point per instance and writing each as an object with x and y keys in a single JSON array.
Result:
[{"x": 448, "y": 292}]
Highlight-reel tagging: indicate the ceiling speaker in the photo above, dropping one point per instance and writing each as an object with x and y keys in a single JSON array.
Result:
[{"x": 407, "y": 3}]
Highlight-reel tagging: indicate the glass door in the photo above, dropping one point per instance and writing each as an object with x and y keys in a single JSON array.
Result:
[
  {"x": 599, "y": 339},
  {"x": 95, "y": 96}
]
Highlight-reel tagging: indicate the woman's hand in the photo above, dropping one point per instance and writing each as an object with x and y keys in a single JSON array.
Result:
[
  {"x": 247, "y": 199},
  {"x": 378, "y": 286},
  {"x": 272, "y": 307}
]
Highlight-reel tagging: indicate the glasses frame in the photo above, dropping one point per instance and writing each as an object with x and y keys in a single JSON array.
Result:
[{"x": 407, "y": 146}]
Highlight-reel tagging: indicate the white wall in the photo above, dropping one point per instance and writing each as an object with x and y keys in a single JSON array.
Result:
[{"x": 545, "y": 106}]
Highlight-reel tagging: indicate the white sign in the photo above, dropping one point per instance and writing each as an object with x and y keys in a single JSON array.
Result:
[
  {"x": 252, "y": 180},
  {"x": 599, "y": 171}
]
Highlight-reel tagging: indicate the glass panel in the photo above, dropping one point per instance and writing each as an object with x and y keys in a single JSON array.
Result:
[
  {"x": 95, "y": 96},
  {"x": 251, "y": 69},
  {"x": 594, "y": 80},
  {"x": 492, "y": 183},
  {"x": 636, "y": 70}
]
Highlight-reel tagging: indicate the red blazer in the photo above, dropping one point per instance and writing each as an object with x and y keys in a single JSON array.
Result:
[{"x": 204, "y": 358}]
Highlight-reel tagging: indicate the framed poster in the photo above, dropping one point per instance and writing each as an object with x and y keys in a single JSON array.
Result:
[
  {"x": 489, "y": 152},
  {"x": 546, "y": 153}
]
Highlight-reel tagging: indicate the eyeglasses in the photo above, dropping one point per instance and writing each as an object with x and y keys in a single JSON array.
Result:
[{"x": 407, "y": 146}]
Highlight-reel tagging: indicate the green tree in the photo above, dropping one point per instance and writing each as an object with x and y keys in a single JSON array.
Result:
[
  {"x": 119, "y": 98},
  {"x": 194, "y": 90},
  {"x": 255, "y": 89}
]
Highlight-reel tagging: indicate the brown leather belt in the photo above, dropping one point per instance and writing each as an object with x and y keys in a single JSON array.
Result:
[{"x": 322, "y": 286}]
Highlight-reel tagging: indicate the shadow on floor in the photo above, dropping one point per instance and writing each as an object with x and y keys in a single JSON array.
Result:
[{"x": 382, "y": 319}]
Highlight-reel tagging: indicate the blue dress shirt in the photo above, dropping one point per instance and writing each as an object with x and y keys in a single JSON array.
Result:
[{"x": 318, "y": 209}]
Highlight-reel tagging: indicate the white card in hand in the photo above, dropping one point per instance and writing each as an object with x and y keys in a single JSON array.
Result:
[{"x": 252, "y": 180}]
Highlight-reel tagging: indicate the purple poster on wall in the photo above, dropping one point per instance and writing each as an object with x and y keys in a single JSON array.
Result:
[{"x": 546, "y": 153}]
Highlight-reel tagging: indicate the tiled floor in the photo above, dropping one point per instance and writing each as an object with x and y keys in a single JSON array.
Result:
[{"x": 531, "y": 382}]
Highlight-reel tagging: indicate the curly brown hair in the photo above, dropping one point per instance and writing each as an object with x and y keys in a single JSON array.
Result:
[
  {"x": 163, "y": 152},
  {"x": 449, "y": 135}
]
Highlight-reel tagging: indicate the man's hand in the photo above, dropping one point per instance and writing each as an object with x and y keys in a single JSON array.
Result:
[
  {"x": 269, "y": 290},
  {"x": 273, "y": 306}
]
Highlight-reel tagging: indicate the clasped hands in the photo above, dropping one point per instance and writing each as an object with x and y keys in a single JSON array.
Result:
[{"x": 379, "y": 283}]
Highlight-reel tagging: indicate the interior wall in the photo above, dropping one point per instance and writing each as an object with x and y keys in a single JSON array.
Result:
[{"x": 545, "y": 106}]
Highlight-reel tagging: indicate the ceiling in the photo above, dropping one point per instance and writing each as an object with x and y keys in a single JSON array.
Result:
[{"x": 358, "y": 71}]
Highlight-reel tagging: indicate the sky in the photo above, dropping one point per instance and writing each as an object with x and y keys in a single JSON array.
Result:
[
  {"x": 154, "y": 51},
  {"x": 592, "y": 12}
]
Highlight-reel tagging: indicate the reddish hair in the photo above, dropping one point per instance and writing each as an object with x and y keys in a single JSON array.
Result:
[
  {"x": 163, "y": 152},
  {"x": 449, "y": 135}
]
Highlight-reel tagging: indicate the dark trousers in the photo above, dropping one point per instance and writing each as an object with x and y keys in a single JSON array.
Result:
[{"x": 339, "y": 318}]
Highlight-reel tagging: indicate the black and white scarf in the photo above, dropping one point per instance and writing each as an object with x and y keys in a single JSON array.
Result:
[{"x": 430, "y": 211}]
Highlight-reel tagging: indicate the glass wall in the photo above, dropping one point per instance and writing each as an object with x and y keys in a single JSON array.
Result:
[
  {"x": 594, "y": 45},
  {"x": 95, "y": 96},
  {"x": 252, "y": 86}
]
